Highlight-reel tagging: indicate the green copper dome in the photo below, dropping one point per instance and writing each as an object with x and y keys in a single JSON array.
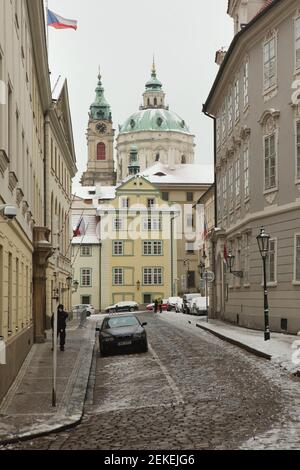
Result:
[
  {"x": 100, "y": 109},
  {"x": 154, "y": 120}
]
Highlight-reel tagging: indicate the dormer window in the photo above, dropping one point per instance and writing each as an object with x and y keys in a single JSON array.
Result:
[
  {"x": 159, "y": 121},
  {"x": 155, "y": 101}
]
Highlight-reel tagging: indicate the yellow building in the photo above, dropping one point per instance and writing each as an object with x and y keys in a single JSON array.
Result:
[{"x": 138, "y": 253}]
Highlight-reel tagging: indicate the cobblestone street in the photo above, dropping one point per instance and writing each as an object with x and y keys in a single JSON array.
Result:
[{"x": 190, "y": 391}]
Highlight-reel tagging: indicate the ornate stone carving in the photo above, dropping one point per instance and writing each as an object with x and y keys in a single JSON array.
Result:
[
  {"x": 245, "y": 133},
  {"x": 13, "y": 181},
  {"x": 25, "y": 207},
  {"x": 269, "y": 120},
  {"x": 29, "y": 216},
  {"x": 4, "y": 161},
  {"x": 20, "y": 196},
  {"x": 270, "y": 197}
]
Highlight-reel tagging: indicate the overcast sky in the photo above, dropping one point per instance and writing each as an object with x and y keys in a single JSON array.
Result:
[{"x": 121, "y": 36}]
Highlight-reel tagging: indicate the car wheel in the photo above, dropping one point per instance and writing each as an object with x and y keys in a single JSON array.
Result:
[
  {"x": 131, "y": 309},
  {"x": 145, "y": 348}
]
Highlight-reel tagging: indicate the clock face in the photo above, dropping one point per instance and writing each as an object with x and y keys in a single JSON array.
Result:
[{"x": 101, "y": 128}]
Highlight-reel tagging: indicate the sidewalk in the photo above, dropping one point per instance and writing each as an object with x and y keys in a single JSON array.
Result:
[
  {"x": 280, "y": 349},
  {"x": 27, "y": 410}
]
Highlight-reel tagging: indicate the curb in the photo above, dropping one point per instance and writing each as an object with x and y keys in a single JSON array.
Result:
[
  {"x": 72, "y": 417},
  {"x": 235, "y": 342}
]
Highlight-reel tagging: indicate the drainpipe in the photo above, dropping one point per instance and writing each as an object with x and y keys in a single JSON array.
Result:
[{"x": 100, "y": 275}]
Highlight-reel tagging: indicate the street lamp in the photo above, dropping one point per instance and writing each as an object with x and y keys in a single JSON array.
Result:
[
  {"x": 201, "y": 268},
  {"x": 186, "y": 263},
  {"x": 75, "y": 286},
  {"x": 263, "y": 240},
  {"x": 231, "y": 260}
]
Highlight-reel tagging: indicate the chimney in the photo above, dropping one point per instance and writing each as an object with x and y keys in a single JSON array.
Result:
[{"x": 220, "y": 56}]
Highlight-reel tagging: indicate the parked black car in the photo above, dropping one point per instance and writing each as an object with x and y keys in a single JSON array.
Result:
[
  {"x": 122, "y": 332},
  {"x": 124, "y": 306}
]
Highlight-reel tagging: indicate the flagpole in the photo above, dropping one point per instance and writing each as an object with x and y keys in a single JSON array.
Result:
[{"x": 47, "y": 5}]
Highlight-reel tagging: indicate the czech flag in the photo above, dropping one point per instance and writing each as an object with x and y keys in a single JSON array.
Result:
[
  {"x": 58, "y": 22},
  {"x": 79, "y": 230}
]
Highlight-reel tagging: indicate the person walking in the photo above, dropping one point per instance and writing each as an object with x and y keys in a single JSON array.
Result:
[
  {"x": 61, "y": 325},
  {"x": 155, "y": 305},
  {"x": 161, "y": 305}
]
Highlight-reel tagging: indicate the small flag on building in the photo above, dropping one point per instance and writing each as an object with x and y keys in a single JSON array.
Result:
[
  {"x": 58, "y": 22},
  {"x": 79, "y": 230}
]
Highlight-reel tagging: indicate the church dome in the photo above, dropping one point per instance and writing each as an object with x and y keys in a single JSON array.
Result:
[{"x": 159, "y": 119}]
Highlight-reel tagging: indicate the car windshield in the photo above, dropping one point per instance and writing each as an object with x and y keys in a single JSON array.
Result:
[{"x": 119, "y": 322}]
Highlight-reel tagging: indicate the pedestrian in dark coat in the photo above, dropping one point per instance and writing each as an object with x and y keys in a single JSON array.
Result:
[
  {"x": 161, "y": 305},
  {"x": 155, "y": 305},
  {"x": 61, "y": 325}
]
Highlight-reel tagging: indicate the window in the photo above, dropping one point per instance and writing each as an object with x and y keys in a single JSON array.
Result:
[
  {"x": 269, "y": 63},
  {"x": 229, "y": 110},
  {"x": 86, "y": 300},
  {"x": 152, "y": 248},
  {"x": 218, "y": 132},
  {"x": 165, "y": 196},
  {"x": 157, "y": 157},
  {"x": 246, "y": 84},
  {"x": 86, "y": 250},
  {"x": 101, "y": 151},
  {"x": 118, "y": 224},
  {"x": 147, "y": 298},
  {"x": 190, "y": 197},
  {"x": 152, "y": 276},
  {"x": 118, "y": 276},
  {"x": 271, "y": 262},
  {"x": 298, "y": 148},
  {"x": 218, "y": 198},
  {"x": 150, "y": 203},
  {"x": 230, "y": 186},
  {"x": 86, "y": 277},
  {"x": 297, "y": 42},
  {"x": 297, "y": 258},
  {"x": 270, "y": 162},
  {"x": 246, "y": 173},
  {"x": 224, "y": 121},
  {"x": 237, "y": 178},
  {"x": 189, "y": 220},
  {"x": 125, "y": 203},
  {"x": 190, "y": 248},
  {"x": 191, "y": 279},
  {"x": 237, "y": 100},
  {"x": 224, "y": 195},
  {"x": 154, "y": 223},
  {"x": 246, "y": 278},
  {"x": 118, "y": 248},
  {"x": 183, "y": 160}
]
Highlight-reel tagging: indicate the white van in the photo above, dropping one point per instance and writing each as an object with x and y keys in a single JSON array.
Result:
[{"x": 187, "y": 300}]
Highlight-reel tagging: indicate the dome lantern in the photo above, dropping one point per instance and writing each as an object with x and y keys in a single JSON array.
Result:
[{"x": 100, "y": 109}]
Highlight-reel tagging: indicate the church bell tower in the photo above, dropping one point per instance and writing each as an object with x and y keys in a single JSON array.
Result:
[{"x": 100, "y": 138}]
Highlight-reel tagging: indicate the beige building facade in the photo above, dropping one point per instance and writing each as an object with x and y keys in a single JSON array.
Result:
[
  {"x": 255, "y": 101},
  {"x": 25, "y": 242}
]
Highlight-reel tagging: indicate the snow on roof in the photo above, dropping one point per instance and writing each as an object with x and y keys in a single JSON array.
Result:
[
  {"x": 183, "y": 174},
  {"x": 95, "y": 192}
]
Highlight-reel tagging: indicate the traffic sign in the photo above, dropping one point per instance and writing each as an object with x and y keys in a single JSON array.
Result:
[{"x": 209, "y": 276}]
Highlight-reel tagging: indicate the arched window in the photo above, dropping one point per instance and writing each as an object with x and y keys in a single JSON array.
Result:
[
  {"x": 183, "y": 160},
  {"x": 157, "y": 157},
  {"x": 155, "y": 101},
  {"x": 101, "y": 151},
  {"x": 148, "y": 101}
]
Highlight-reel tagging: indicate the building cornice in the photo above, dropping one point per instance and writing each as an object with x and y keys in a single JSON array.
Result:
[{"x": 35, "y": 9}]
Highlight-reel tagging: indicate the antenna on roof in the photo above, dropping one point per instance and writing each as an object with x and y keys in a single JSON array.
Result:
[{"x": 59, "y": 77}]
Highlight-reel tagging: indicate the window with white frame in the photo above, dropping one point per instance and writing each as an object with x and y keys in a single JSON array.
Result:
[
  {"x": 272, "y": 262},
  {"x": 246, "y": 173},
  {"x": 118, "y": 248},
  {"x": 86, "y": 277},
  {"x": 118, "y": 276},
  {"x": 237, "y": 100},
  {"x": 153, "y": 276},
  {"x": 150, "y": 203},
  {"x": 229, "y": 110},
  {"x": 237, "y": 178},
  {"x": 224, "y": 121},
  {"x": 230, "y": 186},
  {"x": 152, "y": 248},
  {"x": 297, "y": 42},
  {"x": 224, "y": 195},
  {"x": 151, "y": 223},
  {"x": 298, "y": 149},
  {"x": 124, "y": 202},
  {"x": 297, "y": 258},
  {"x": 117, "y": 224},
  {"x": 270, "y": 63},
  {"x": 86, "y": 250},
  {"x": 270, "y": 161},
  {"x": 246, "y": 84}
]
